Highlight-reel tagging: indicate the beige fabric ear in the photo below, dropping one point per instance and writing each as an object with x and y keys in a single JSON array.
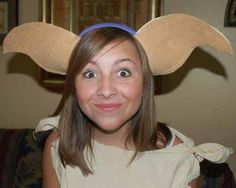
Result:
[
  {"x": 169, "y": 40},
  {"x": 48, "y": 45}
]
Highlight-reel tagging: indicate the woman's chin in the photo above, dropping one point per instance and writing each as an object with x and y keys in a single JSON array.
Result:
[
  {"x": 111, "y": 128},
  {"x": 108, "y": 129}
]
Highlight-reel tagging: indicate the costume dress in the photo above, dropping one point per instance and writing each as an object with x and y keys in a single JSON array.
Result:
[{"x": 170, "y": 167}]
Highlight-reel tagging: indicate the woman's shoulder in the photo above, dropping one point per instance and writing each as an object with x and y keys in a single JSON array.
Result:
[
  {"x": 213, "y": 152},
  {"x": 165, "y": 136},
  {"x": 51, "y": 138},
  {"x": 50, "y": 146}
]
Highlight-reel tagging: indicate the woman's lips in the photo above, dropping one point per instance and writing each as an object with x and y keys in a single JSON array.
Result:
[{"x": 108, "y": 107}]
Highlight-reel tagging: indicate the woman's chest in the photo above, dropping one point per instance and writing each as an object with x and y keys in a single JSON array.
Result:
[{"x": 147, "y": 171}]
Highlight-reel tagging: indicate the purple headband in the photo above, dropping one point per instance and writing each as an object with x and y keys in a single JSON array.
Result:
[{"x": 101, "y": 25}]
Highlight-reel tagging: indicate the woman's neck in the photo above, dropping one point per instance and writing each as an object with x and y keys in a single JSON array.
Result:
[{"x": 117, "y": 138}]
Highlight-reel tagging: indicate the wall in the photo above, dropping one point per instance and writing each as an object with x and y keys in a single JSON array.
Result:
[
  {"x": 22, "y": 101},
  {"x": 200, "y": 98}
]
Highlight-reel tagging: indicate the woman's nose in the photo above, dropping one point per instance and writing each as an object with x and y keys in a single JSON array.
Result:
[{"x": 106, "y": 87}]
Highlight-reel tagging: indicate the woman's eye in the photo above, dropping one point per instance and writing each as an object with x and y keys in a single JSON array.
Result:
[
  {"x": 89, "y": 74},
  {"x": 124, "y": 73}
]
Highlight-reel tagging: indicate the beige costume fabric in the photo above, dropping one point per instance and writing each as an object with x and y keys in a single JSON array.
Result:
[{"x": 170, "y": 167}]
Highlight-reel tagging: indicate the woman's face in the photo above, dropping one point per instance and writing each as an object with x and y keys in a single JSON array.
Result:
[{"x": 109, "y": 88}]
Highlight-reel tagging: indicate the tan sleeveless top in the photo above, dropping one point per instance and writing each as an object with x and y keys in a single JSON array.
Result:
[{"x": 170, "y": 167}]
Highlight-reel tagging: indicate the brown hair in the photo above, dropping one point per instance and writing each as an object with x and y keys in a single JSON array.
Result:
[{"x": 75, "y": 128}]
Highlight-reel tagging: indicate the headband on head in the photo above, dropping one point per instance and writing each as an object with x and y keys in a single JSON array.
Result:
[
  {"x": 168, "y": 41},
  {"x": 108, "y": 24}
]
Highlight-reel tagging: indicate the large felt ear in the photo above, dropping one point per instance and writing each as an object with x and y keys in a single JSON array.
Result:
[
  {"x": 169, "y": 40},
  {"x": 48, "y": 45}
]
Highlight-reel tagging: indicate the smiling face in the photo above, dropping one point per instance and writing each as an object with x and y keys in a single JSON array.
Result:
[{"x": 109, "y": 88}]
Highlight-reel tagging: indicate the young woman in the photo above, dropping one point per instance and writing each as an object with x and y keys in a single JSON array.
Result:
[
  {"x": 109, "y": 99},
  {"x": 107, "y": 135}
]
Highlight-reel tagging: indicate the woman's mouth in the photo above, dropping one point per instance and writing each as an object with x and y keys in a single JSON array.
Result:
[{"x": 108, "y": 107}]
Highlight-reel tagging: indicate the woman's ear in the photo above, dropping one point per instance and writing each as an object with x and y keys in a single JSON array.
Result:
[{"x": 48, "y": 45}]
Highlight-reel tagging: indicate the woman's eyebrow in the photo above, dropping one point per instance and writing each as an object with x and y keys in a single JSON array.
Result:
[
  {"x": 116, "y": 62},
  {"x": 92, "y": 62},
  {"x": 124, "y": 60}
]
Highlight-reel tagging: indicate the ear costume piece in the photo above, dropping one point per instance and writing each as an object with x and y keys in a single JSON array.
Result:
[
  {"x": 168, "y": 41},
  {"x": 49, "y": 46}
]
